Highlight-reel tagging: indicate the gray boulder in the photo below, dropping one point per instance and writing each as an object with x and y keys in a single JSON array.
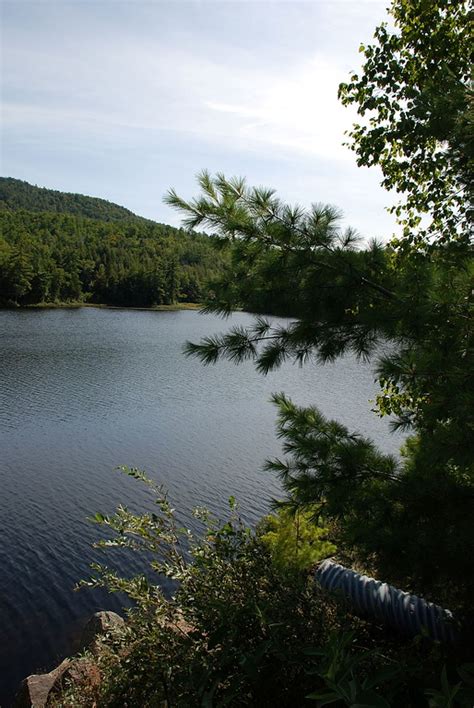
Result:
[{"x": 99, "y": 624}]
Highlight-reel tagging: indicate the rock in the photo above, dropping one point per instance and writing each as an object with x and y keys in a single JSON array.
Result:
[
  {"x": 99, "y": 623},
  {"x": 83, "y": 673},
  {"x": 42, "y": 690},
  {"x": 35, "y": 689}
]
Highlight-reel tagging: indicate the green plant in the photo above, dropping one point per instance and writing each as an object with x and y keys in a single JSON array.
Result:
[
  {"x": 407, "y": 306},
  {"x": 340, "y": 668},
  {"x": 449, "y": 695},
  {"x": 217, "y": 622},
  {"x": 233, "y": 629},
  {"x": 295, "y": 541}
]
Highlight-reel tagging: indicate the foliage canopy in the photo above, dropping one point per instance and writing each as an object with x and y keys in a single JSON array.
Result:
[
  {"x": 241, "y": 630},
  {"x": 117, "y": 259},
  {"x": 407, "y": 306},
  {"x": 415, "y": 96},
  {"x": 15, "y": 194}
]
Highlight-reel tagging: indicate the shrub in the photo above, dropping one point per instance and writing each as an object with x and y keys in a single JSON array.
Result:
[
  {"x": 241, "y": 627},
  {"x": 294, "y": 540}
]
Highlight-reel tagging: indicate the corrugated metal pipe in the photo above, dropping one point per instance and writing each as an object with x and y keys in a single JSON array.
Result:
[{"x": 408, "y": 614}]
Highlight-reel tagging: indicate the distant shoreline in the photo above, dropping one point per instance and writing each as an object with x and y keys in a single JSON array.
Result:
[{"x": 102, "y": 306}]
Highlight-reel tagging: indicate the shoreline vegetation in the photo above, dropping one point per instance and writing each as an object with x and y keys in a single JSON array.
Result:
[
  {"x": 103, "y": 306},
  {"x": 63, "y": 248},
  {"x": 247, "y": 625}
]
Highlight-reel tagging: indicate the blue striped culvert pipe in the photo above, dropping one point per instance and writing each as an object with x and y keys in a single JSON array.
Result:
[{"x": 408, "y": 614}]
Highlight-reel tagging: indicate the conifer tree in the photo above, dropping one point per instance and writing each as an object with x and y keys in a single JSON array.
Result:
[{"x": 413, "y": 518}]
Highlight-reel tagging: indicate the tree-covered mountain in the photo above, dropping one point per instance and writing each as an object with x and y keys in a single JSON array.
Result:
[
  {"x": 46, "y": 256},
  {"x": 16, "y": 194}
]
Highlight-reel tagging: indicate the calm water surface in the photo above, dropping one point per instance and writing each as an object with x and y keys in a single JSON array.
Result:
[{"x": 82, "y": 391}]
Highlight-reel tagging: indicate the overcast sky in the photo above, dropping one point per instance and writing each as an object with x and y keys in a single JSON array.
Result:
[{"x": 124, "y": 99}]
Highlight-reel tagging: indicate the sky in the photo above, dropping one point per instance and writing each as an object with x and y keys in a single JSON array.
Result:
[{"x": 123, "y": 99}]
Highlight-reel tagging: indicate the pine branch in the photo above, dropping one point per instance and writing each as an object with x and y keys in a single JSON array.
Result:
[{"x": 318, "y": 229}]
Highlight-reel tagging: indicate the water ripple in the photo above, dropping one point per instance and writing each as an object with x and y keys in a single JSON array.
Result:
[{"x": 82, "y": 391}]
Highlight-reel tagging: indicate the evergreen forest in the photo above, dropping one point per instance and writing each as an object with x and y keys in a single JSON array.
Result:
[
  {"x": 16, "y": 194},
  {"x": 63, "y": 248}
]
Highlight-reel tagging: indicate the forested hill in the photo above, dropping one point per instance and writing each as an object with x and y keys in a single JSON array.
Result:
[
  {"x": 53, "y": 256},
  {"x": 16, "y": 194}
]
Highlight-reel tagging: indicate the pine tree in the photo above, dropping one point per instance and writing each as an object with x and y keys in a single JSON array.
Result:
[{"x": 413, "y": 518}]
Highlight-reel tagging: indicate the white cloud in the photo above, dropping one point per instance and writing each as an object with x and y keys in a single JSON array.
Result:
[
  {"x": 298, "y": 111},
  {"x": 181, "y": 92},
  {"x": 247, "y": 84}
]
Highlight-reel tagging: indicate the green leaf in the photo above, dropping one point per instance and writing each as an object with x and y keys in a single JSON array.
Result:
[
  {"x": 325, "y": 697},
  {"x": 466, "y": 672}
]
